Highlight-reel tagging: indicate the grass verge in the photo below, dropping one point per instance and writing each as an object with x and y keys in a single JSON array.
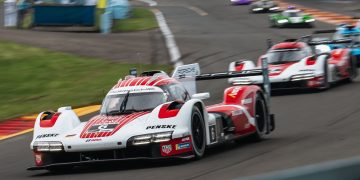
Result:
[
  {"x": 139, "y": 19},
  {"x": 34, "y": 79}
]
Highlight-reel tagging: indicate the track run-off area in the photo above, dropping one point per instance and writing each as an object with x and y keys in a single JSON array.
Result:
[{"x": 312, "y": 127}]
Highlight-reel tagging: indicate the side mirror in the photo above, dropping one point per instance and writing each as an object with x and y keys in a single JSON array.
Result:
[
  {"x": 201, "y": 96},
  {"x": 322, "y": 49}
]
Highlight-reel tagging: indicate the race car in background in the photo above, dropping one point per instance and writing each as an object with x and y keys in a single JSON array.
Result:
[
  {"x": 351, "y": 32},
  {"x": 241, "y": 2},
  {"x": 344, "y": 31},
  {"x": 301, "y": 65},
  {"x": 291, "y": 17},
  {"x": 264, "y": 6},
  {"x": 154, "y": 116}
]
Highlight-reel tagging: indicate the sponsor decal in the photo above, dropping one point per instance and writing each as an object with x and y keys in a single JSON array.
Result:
[
  {"x": 102, "y": 128},
  {"x": 185, "y": 139},
  {"x": 93, "y": 140},
  {"x": 236, "y": 112},
  {"x": 134, "y": 90},
  {"x": 182, "y": 146},
  {"x": 46, "y": 136},
  {"x": 161, "y": 127},
  {"x": 310, "y": 70},
  {"x": 38, "y": 159},
  {"x": 166, "y": 148},
  {"x": 70, "y": 135},
  {"x": 234, "y": 92},
  {"x": 247, "y": 101},
  {"x": 187, "y": 71},
  {"x": 274, "y": 70}
]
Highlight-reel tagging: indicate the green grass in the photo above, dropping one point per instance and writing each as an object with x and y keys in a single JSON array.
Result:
[
  {"x": 33, "y": 79},
  {"x": 140, "y": 19}
]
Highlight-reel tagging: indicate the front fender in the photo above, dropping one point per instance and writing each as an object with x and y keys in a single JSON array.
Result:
[
  {"x": 66, "y": 121},
  {"x": 182, "y": 119}
]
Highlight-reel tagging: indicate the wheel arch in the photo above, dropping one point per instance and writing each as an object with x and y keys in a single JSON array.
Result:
[{"x": 201, "y": 107}]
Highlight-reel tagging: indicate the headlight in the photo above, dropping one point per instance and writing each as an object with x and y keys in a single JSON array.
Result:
[
  {"x": 242, "y": 81},
  {"x": 310, "y": 20},
  {"x": 283, "y": 21},
  {"x": 257, "y": 9},
  {"x": 274, "y": 8},
  {"x": 152, "y": 138},
  {"x": 48, "y": 146},
  {"x": 300, "y": 77}
]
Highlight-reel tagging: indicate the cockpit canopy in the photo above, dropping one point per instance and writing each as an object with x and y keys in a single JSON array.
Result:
[{"x": 135, "y": 102}]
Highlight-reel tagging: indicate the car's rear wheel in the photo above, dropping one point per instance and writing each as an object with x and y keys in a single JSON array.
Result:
[
  {"x": 357, "y": 58},
  {"x": 325, "y": 85},
  {"x": 261, "y": 118},
  {"x": 353, "y": 72},
  {"x": 271, "y": 23},
  {"x": 310, "y": 25},
  {"x": 198, "y": 133}
]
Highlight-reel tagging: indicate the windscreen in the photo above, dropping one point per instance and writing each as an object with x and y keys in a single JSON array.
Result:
[
  {"x": 117, "y": 104},
  {"x": 292, "y": 14},
  {"x": 354, "y": 36},
  {"x": 284, "y": 56}
]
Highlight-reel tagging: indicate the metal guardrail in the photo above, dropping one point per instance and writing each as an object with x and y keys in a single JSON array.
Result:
[{"x": 345, "y": 169}]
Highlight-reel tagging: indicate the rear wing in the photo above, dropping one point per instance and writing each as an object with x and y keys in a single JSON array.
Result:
[
  {"x": 325, "y": 31},
  {"x": 190, "y": 73},
  {"x": 339, "y": 41}
]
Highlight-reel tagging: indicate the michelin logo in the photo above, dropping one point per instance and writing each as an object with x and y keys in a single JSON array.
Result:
[{"x": 182, "y": 146}]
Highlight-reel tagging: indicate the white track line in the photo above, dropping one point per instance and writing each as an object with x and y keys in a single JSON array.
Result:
[
  {"x": 198, "y": 10},
  {"x": 168, "y": 35},
  {"x": 169, "y": 39},
  {"x": 150, "y": 2}
]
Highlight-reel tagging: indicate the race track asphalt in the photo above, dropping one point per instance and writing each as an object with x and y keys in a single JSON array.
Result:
[{"x": 311, "y": 127}]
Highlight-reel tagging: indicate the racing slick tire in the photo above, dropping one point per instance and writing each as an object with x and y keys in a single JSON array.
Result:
[
  {"x": 310, "y": 25},
  {"x": 353, "y": 71},
  {"x": 198, "y": 133},
  {"x": 261, "y": 119},
  {"x": 272, "y": 23},
  {"x": 326, "y": 84}
]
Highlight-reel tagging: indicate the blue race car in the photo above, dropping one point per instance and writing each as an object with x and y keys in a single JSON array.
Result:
[
  {"x": 350, "y": 32},
  {"x": 345, "y": 31}
]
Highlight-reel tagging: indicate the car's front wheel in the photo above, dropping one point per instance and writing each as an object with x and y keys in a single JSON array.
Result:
[
  {"x": 310, "y": 25},
  {"x": 198, "y": 133},
  {"x": 325, "y": 84},
  {"x": 353, "y": 72},
  {"x": 357, "y": 61},
  {"x": 261, "y": 118}
]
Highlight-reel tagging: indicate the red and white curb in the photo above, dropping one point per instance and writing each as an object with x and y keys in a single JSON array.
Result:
[{"x": 18, "y": 126}]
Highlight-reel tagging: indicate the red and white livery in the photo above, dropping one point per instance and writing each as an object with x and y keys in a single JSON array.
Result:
[
  {"x": 152, "y": 116},
  {"x": 294, "y": 64}
]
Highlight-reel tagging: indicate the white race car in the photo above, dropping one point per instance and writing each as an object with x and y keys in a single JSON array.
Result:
[
  {"x": 294, "y": 65},
  {"x": 153, "y": 116}
]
